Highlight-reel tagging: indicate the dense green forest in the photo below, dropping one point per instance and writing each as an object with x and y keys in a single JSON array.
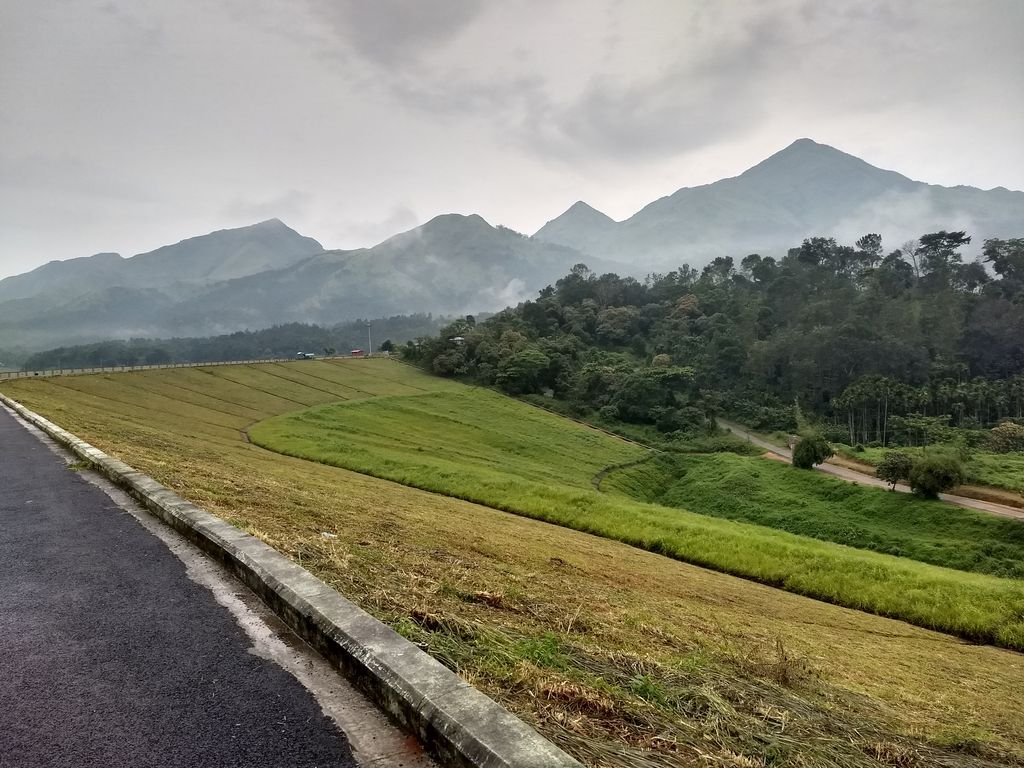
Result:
[
  {"x": 278, "y": 341},
  {"x": 877, "y": 347}
]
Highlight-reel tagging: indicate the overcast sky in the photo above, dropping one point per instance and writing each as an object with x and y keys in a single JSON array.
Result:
[{"x": 128, "y": 125}]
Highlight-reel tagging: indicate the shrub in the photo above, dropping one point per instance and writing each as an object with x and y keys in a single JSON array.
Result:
[
  {"x": 895, "y": 468},
  {"x": 859, "y": 447},
  {"x": 811, "y": 450},
  {"x": 1007, "y": 437},
  {"x": 835, "y": 434},
  {"x": 667, "y": 419},
  {"x": 935, "y": 473}
]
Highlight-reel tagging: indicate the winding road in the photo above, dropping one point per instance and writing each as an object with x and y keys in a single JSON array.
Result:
[{"x": 861, "y": 478}]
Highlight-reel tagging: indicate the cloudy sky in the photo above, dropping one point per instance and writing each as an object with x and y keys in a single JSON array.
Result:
[{"x": 129, "y": 125}]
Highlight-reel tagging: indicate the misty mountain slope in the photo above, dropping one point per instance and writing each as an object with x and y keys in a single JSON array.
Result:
[
  {"x": 111, "y": 312},
  {"x": 451, "y": 264},
  {"x": 67, "y": 278},
  {"x": 223, "y": 255},
  {"x": 220, "y": 255},
  {"x": 805, "y": 190}
]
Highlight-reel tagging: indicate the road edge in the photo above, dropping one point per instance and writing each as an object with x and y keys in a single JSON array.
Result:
[{"x": 458, "y": 724}]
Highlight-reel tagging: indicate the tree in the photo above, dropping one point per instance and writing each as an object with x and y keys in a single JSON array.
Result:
[
  {"x": 869, "y": 249},
  {"x": 812, "y": 449},
  {"x": 938, "y": 257},
  {"x": 895, "y": 468},
  {"x": 522, "y": 371},
  {"x": 935, "y": 473},
  {"x": 1007, "y": 437},
  {"x": 387, "y": 346}
]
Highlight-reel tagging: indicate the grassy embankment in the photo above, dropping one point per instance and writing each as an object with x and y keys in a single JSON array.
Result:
[
  {"x": 621, "y": 656},
  {"x": 772, "y": 494},
  {"x": 998, "y": 470},
  {"x": 476, "y": 445}
]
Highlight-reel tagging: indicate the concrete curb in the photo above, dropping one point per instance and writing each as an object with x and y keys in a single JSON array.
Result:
[{"x": 457, "y": 723}]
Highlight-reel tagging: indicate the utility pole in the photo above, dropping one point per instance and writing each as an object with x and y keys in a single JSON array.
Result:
[{"x": 369, "y": 340}]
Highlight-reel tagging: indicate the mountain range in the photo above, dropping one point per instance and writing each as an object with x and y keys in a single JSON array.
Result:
[
  {"x": 267, "y": 273},
  {"x": 805, "y": 190}
]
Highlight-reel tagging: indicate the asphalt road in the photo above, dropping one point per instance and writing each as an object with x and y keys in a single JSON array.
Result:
[
  {"x": 860, "y": 478},
  {"x": 110, "y": 655}
]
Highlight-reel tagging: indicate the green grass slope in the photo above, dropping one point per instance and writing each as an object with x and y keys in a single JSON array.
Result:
[
  {"x": 773, "y": 494},
  {"x": 476, "y": 445}
]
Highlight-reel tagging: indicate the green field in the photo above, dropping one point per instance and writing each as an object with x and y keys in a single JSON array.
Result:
[
  {"x": 998, "y": 470},
  {"x": 623, "y": 657},
  {"x": 773, "y": 494},
  {"x": 476, "y": 445}
]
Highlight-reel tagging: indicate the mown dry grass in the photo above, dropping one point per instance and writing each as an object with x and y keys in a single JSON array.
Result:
[{"x": 623, "y": 657}]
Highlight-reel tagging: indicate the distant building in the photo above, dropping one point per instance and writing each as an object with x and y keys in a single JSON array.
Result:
[{"x": 357, "y": 353}]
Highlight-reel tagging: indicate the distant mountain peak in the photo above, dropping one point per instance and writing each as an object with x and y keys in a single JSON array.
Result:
[
  {"x": 582, "y": 210},
  {"x": 580, "y": 220},
  {"x": 806, "y": 143},
  {"x": 803, "y": 190},
  {"x": 456, "y": 221},
  {"x": 803, "y": 152}
]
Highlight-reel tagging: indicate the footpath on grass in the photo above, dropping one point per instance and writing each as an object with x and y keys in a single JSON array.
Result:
[{"x": 861, "y": 478}]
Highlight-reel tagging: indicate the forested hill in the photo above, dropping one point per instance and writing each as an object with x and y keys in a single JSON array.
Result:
[{"x": 834, "y": 328}]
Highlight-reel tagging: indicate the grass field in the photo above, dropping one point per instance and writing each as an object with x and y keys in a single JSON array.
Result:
[
  {"x": 623, "y": 657},
  {"x": 477, "y": 445},
  {"x": 770, "y": 493},
  {"x": 998, "y": 470}
]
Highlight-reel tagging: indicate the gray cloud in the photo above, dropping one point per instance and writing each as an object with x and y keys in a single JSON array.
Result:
[
  {"x": 399, "y": 219},
  {"x": 395, "y": 32},
  {"x": 127, "y": 125}
]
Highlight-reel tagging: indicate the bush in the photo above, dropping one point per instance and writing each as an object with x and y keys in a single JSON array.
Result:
[
  {"x": 1007, "y": 438},
  {"x": 935, "y": 473},
  {"x": 667, "y": 419},
  {"x": 811, "y": 450},
  {"x": 859, "y": 447},
  {"x": 894, "y": 468},
  {"x": 835, "y": 434}
]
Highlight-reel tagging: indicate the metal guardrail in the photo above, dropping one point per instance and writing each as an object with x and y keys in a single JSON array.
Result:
[{"x": 8, "y": 375}]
